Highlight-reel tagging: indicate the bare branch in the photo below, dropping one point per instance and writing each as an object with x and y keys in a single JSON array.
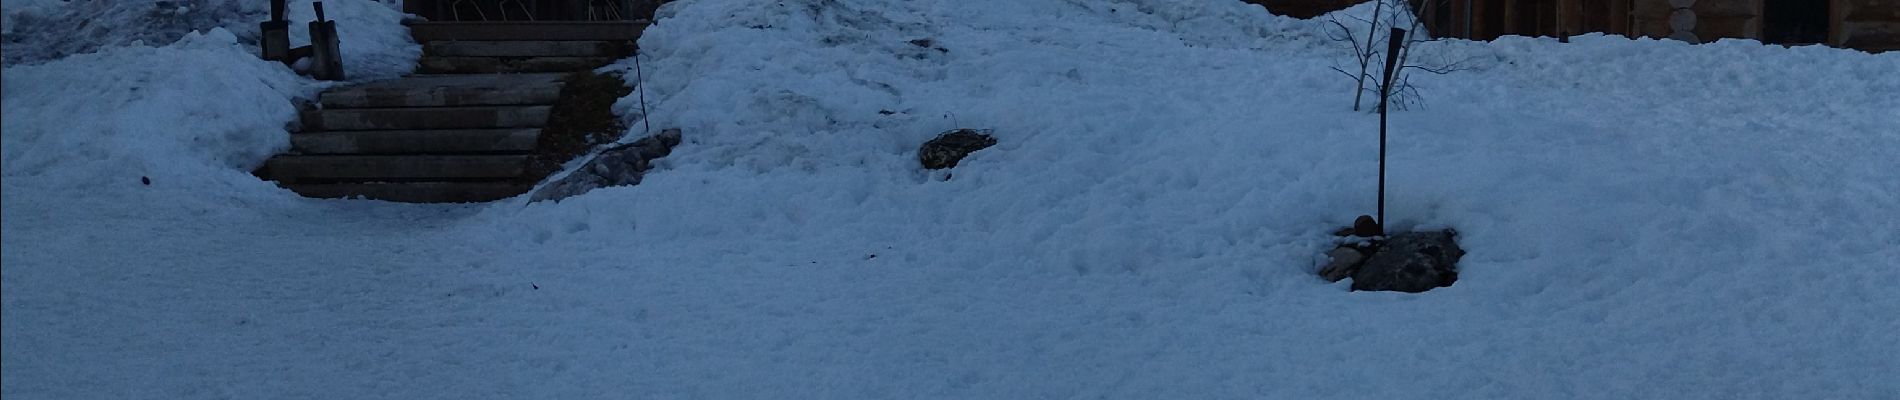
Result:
[{"x": 1368, "y": 57}]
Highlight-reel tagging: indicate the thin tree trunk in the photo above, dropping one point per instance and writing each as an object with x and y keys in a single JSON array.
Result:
[{"x": 1365, "y": 59}]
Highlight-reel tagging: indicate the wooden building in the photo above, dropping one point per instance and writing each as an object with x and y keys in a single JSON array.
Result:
[{"x": 1871, "y": 25}]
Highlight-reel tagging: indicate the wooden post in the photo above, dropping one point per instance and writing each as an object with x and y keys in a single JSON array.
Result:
[
  {"x": 1468, "y": 21},
  {"x": 1510, "y": 17},
  {"x": 275, "y": 43},
  {"x": 326, "y": 57},
  {"x": 1385, "y": 99}
]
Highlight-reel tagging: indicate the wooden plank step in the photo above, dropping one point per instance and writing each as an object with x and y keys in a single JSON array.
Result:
[
  {"x": 448, "y": 90},
  {"x": 494, "y": 65},
  {"x": 295, "y": 168},
  {"x": 526, "y": 48},
  {"x": 406, "y": 118},
  {"x": 415, "y": 192},
  {"x": 517, "y": 140},
  {"x": 526, "y": 30}
]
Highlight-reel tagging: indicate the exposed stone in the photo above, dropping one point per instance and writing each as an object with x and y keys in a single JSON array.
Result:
[
  {"x": 1411, "y": 262},
  {"x": 950, "y": 147},
  {"x": 929, "y": 44},
  {"x": 621, "y": 165},
  {"x": 1345, "y": 260},
  {"x": 1365, "y": 226}
]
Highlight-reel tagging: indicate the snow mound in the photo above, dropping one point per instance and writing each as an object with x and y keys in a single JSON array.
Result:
[
  {"x": 199, "y": 108},
  {"x": 1166, "y": 177},
  {"x": 1642, "y": 219},
  {"x": 374, "y": 42}
]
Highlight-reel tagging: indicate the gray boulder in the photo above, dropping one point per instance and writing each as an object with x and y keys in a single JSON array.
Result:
[
  {"x": 621, "y": 165},
  {"x": 950, "y": 147},
  {"x": 1411, "y": 262}
]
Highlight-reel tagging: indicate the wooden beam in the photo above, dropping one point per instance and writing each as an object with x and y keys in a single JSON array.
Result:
[{"x": 1510, "y": 16}]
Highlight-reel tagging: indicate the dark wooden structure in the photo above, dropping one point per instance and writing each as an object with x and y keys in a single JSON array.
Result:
[
  {"x": 1304, "y": 8},
  {"x": 488, "y": 115},
  {"x": 1871, "y": 25},
  {"x": 533, "y": 10}
]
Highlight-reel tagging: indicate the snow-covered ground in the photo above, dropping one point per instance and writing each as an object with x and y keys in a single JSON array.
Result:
[
  {"x": 374, "y": 43},
  {"x": 1644, "y": 219}
]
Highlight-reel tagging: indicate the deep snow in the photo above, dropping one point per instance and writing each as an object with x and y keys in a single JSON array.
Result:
[
  {"x": 1644, "y": 219},
  {"x": 373, "y": 42}
]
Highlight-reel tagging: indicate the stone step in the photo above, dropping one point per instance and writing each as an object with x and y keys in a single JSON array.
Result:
[
  {"x": 415, "y": 192},
  {"x": 526, "y": 30},
  {"x": 452, "y": 141},
  {"x": 448, "y": 90},
  {"x": 493, "y": 65},
  {"x": 526, "y": 48},
  {"x": 298, "y": 169},
  {"x": 409, "y": 118}
]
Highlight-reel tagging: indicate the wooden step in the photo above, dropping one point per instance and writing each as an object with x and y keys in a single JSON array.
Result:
[
  {"x": 526, "y": 30},
  {"x": 448, "y": 90},
  {"x": 452, "y": 141},
  {"x": 410, "y": 118},
  {"x": 415, "y": 192},
  {"x": 293, "y": 169},
  {"x": 525, "y": 48},
  {"x": 493, "y": 65}
]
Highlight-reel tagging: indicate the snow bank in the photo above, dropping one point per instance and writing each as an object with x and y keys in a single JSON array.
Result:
[
  {"x": 1644, "y": 219},
  {"x": 1687, "y": 217},
  {"x": 374, "y": 42},
  {"x": 99, "y": 94},
  {"x": 200, "y": 110}
]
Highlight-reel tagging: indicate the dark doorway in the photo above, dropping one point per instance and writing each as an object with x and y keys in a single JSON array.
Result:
[
  {"x": 1794, "y": 21},
  {"x": 1525, "y": 21},
  {"x": 1492, "y": 15},
  {"x": 1597, "y": 16}
]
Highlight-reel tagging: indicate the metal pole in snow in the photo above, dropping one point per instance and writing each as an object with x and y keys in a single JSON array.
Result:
[
  {"x": 1396, "y": 41},
  {"x": 640, "y": 81}
]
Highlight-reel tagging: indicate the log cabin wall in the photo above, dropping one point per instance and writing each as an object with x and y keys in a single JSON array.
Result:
[
  {"x": 1490, "y": 19},
  {"x": 1870, "y": 25},
  {"x": 1701, "y": 21}
]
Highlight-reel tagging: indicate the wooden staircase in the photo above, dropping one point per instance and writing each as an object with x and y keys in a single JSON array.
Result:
[{"x": 468, "y": 128}]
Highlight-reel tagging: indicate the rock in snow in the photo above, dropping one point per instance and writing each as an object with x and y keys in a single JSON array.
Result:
[
  {"x": 1411, "y": 262},
  {"x": 1345, "y": 260},
  {"x": 1365, "y": 226},
  {"x": 622, "y": 165},
  {"x": 950, "y": 147}
]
